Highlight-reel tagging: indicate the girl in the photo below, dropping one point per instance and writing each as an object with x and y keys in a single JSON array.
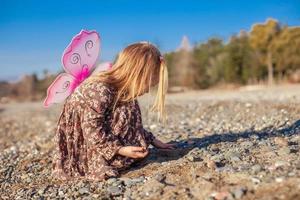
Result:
[{"x": 100, "y": 129}]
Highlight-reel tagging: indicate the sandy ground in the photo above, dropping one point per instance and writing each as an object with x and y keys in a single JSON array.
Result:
[{"x": 232, "y": 144}]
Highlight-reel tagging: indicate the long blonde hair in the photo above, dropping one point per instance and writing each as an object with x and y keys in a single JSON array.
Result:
[{"x": 134, "y": 71}]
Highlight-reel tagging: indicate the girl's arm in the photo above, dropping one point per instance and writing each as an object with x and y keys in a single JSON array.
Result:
[{"x": 150, "y": 138}]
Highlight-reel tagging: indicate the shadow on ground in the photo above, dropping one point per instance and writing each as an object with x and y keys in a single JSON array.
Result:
[{"x": 184, "y": 146}]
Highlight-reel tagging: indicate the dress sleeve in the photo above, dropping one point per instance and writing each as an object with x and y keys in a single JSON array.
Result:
[
  {"x": 148, "y": 134},
  {"x": 97, "y": 134}
]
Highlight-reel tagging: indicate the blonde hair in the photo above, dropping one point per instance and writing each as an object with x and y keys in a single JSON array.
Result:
[{"x": 134, "y": 71}]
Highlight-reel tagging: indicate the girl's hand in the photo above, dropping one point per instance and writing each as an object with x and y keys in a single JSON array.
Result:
[
  {"x": 133, "y": 151},
  {"x": 160, "y": 145}
]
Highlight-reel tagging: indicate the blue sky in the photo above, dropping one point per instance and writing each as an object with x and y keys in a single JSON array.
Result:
[{"x": 35, "y": 33}]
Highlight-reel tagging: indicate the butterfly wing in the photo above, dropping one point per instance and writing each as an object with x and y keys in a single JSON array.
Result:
[
  {"x": 102, "y": 67},
  {"x": 78, "y": 60},
  {"x": 81, "y": 54},
  {"x": 60, "y": 89}
]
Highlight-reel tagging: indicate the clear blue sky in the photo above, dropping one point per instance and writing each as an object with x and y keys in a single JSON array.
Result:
[{"x": 35, "y": 33}]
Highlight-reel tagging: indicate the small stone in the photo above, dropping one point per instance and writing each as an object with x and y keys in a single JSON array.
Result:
[
  {"x": 160, "y": 177},
  {"x": 221, "y": 195},
  {"x": 256, "y": 168},
  {"x": 190, "y": 158},
  {"x": 211, "y": 164},
  {"x": 247, "y": 144},
  {"x": 153, "y": 126},
  {"x": 84, "y": 190},
  {"x": 61, "y": 193},
  {"x": 291, "y": 174},
  {"x": 279, "y": 163},
  {"x": 114, "y": 190},
  {"x": 280, "y": 141},
  {"x": 41, "y": 192},
  {"x": 233, "y": 156},
  {"x": 235, "y": 159},
  {"x": 284, "y": 151},
  {"x": 217, "y": 157},
  {"x": 279, "y": 179},
  {"x": 130, "y": 182},
  {"x": 255, "y": 180},
  {"x": 248, "y": 105},
  {"x": 110, "y": 181},
  {"x": 239, "y": 192}
]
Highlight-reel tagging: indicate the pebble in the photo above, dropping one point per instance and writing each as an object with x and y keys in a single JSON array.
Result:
[
  {"x": 130, "y": 182},
  {"x": 114, "y": 190},
  {"x": 256, "y": 168},
  {"x": 84, "y": 190},
  {"x": 284, "y": 151},
  {"x": 160, "y": 177},
  {"x": 280, "y": 163},
  {"x": 239, "y": 192},
  {"x": 255, "y": 180},
  {"x": 211, "y": 164},
  {"x": 281, "y": 141}
]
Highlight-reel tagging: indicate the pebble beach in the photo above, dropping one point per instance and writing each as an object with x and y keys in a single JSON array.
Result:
[{"x": 231, "y": 144}]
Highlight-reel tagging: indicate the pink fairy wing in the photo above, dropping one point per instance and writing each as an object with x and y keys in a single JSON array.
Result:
[
  {"x": 81, "y": 54},
  {"x": 60, "y": 89},
  {"x": 102, "y": 67}
]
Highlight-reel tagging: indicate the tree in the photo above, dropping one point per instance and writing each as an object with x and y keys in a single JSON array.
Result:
[
  {"x": 287, "y": 50},
  {"x": 208, "y": 62},
  {"x": 240, "y": 66},
  {"x": 261, "y": 38}
]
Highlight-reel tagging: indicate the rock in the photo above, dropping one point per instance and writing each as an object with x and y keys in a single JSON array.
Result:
[
  {"x": 256, "y": 168},
  {"x": 280, "y": 141},
  {"x": 224, "y": 195},
  {"x": 190, "y": 158},
  {"x": 255, "y": 180},
  {"x": 130, "y": 182},
  {"x": 114, "y": 190},
  {"x": 110, "y": 181},
  {"x": 84, "y": 190},
  {"x": 153, "y": 126},
  {"x": 247, "y": 144},
  {"x": 239, "y": 192},
  {"x": 280, "y": 163},
  {"x": 159, "y": 177},
  {"x": 235, "y": 159},
  {"x": 284, "y": 151},
  {"x": 248, "y": 105},
  {"x": 153, "y": 187},
  {"x": 233, "y": 156},
  {"x": 61, "y": 193},
  {"x": 211, "y": 164},
  {"x": 218, "y": 157},
  {"x": 279, "y": 179}
]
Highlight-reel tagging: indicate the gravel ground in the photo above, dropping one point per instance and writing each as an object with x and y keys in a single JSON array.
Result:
[{"x": 241, "y": 144}]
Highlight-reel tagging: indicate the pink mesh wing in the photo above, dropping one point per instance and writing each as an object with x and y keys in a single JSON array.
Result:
[
  {"x": 60, "y": 89},
  {"x": 81, "y": 54},
  {"x": 78, "y": 60}
]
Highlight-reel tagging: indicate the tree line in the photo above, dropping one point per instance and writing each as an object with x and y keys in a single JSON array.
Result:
[{"x": 268, "y": 53}]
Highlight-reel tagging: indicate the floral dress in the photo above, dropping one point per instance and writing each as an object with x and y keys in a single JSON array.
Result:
[{"x": 89, "y": 134}]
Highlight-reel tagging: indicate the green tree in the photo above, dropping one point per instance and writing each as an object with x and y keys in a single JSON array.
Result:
[
  {"x": 287, "y": 50},
  {"x": 208, "y": 62},
  {"x": 261, "y": 38}
]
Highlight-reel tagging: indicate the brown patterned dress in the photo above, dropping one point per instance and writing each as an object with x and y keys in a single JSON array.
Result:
[{"x": 89, "y": 134}]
